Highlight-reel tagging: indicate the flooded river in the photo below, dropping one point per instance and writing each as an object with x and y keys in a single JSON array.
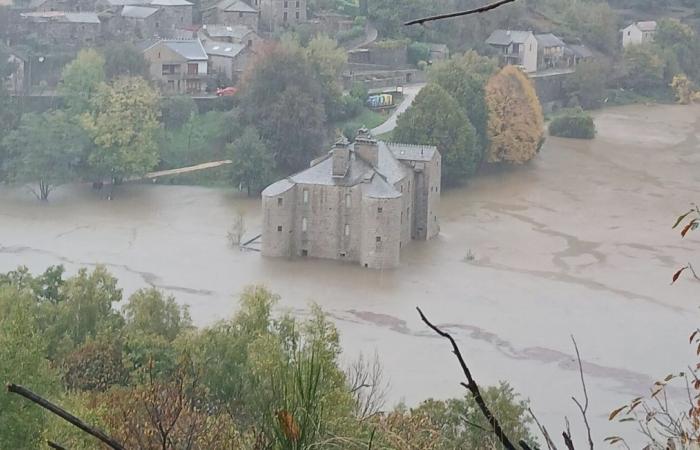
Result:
[{"x": 577, "y": 242}]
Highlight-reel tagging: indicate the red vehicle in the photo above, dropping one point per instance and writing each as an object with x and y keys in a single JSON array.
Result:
[{"x": 226, "y": 92}]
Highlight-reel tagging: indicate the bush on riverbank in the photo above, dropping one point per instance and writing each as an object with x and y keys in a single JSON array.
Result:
[{"x": 575, "y": 124}]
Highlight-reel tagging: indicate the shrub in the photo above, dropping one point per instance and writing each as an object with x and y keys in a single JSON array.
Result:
[
  {"x": 573, "y": 124},
  {"x": 418, "y": 51}
]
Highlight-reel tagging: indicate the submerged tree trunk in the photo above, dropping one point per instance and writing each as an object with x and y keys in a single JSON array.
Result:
[{"x": 44, "y": 190}]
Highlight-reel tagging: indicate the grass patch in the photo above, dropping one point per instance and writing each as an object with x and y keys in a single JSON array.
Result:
[{"x": 367, "y": 118}]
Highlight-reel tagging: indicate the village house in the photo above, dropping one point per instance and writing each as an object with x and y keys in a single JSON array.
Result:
[
  {"x": 177, "y": 66},
  {"x": 550, "y": 51},
  {"x": 174, "y": 15},
  {"x": 578, "y": 53},
  {"x": 66, "y": 28},
  {"x": 14, "y": 83},
  {"x": 277, "y": 14},
  {"x": 137, "y": 21},
  {"x": 639, "y": 33},
  {"x": 515, "y": 47},
  {"x": 227, "y": 60},
  {"x": 363, "y": 202},
  {"x": 235, "y": 34},
  {"x": 232, "y": 12}
]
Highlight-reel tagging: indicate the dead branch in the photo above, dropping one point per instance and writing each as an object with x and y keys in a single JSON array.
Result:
[
  {"x": 584, "y": 408},
  {"x": 55, "y": 445},
  {"x": 478, "y": 10},
  {"x": 472, "y": 386},
  {"x": 63, "y": 414},
  {"x": 547, "y": 438},
  {"x": 567, "y": 440}
]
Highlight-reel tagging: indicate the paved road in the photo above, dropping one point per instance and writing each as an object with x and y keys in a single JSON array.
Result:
[{"x": 410, "y": 91}]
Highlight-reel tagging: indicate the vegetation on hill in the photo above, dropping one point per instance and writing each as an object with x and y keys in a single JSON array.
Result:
[{"x": 256, "y": 380}]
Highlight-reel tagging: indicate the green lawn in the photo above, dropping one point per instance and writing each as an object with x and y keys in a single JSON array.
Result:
[{"x": 367, "y": 118}]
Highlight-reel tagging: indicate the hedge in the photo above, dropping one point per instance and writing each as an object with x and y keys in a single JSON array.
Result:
[{"x": 573, "y": 124}]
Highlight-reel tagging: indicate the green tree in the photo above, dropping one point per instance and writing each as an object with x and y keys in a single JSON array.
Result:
[
  {"x": 84, "y": 311},
  {"x": 123, "y": 127},
  {"x": 177, "y": 110},
  {"x": 644, "y": 67},
  {"x": 82, "y": 78},
  {"x": 150, "y": 312},
  {"x": 327, "y": 61},
  {"x": 45, "y": 149},
  {"x": 463, "y": 425},
  {"x": 464, "y": 77},
  {"x": 253, "y": 164},
  {"x": 22, "y": 361},
  {"x": 124, "y": 59},
  {"x": 435, "y": 118},
  {"x": 516, "y": 125},
  {"x": 284, "y": 100},
  {"x": 587, "y": 84}
]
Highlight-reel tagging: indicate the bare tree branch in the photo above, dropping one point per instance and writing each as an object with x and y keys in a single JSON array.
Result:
[
  {"x": 63, "y": 414},
  {"x": 478, "y": 10},
  {"x": 584, "y": 408},
  {"x": 547, "y": 438},
  {"x": 472, "y": 386},
  {"x": 55, "y": 445}
]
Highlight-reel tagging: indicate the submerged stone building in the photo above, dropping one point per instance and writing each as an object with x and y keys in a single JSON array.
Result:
[{"x": 361, "y": 202}]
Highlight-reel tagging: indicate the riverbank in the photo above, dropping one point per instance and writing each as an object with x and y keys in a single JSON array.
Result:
[{"x": 576, "y": 242}]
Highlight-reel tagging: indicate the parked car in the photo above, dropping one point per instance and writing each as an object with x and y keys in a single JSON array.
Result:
[{"x": 226, "y": 92}]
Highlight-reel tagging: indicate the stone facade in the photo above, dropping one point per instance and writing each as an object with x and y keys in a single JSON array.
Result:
[
  {"x": 362, "y": 202},
  {"x": 178, "y": 66},
  {"x": 232, "y": 13},
  {"x": 279, "y": 14}
]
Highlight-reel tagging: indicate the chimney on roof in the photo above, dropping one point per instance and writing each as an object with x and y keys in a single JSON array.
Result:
[
  {"x": 366, "y": 147},
  {"x": 341, "y": 158}
]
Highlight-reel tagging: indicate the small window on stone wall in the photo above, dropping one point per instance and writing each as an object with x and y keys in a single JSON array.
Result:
[
  {"x": 279, "y": 227},
  {"x": 279, "y": 201},
  {"x": 379, "y": 210},
  {"x": 379, "y": 239}
]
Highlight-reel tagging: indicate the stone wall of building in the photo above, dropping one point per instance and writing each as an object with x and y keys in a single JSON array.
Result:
[
  {"x": 279, "y": 212},
  {"x": 381, "y": 233},
  {"x": 231, "y": 18},
  {"x": 326, "y": 213},
  {"x": 173, "y": 18}
]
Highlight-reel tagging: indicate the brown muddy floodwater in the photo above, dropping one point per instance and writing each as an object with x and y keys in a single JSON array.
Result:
[{"x": 577, "y": 242}]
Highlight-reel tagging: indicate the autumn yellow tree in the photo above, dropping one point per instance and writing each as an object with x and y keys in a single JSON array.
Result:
[
  {"x": 515, "y": 125},
  {"x": 684, "y": 90}
]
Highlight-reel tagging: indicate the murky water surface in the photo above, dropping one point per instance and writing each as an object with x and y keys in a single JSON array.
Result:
[{"x": 576, "y": 243}]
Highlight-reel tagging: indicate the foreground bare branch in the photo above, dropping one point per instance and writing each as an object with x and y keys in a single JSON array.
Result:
[
  {"x": 583, "y": 408},
  {"x": 472, "y": 386},
  {"x": 478, "y": 10},
  {"x": 63, "y": 414}
]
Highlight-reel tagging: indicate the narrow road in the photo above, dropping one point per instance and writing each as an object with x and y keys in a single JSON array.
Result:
[{"x": 409, "y": 94}]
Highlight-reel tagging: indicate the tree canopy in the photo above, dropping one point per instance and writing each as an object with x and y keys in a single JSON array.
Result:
[
  {"x": 515, "y": 125},
  {"x": 123, "y": 128},
  {"x": 82, "y": 78},
  {"x": 435, "y": 118}
]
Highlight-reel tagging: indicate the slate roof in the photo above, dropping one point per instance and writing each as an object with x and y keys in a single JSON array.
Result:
[
  {"x": 507, "y": 37},
  {"x": 581, "y": 51},
  {"x": 235, "y": 6},
  {"x": 170, "y": 3},
  {"x": 138, "y": 12},
  {"x": 548, "y": 40},
  {"x": 412, "y": 152},
  {"x": 223, "y": 48},
  {"x": 61, "y": 16},
  {"x": 190, "y": 49},
  {"x": 233, "y": 31},
  {"x": 647, "y": 25},
  {"x": 377, "y": 182}
]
